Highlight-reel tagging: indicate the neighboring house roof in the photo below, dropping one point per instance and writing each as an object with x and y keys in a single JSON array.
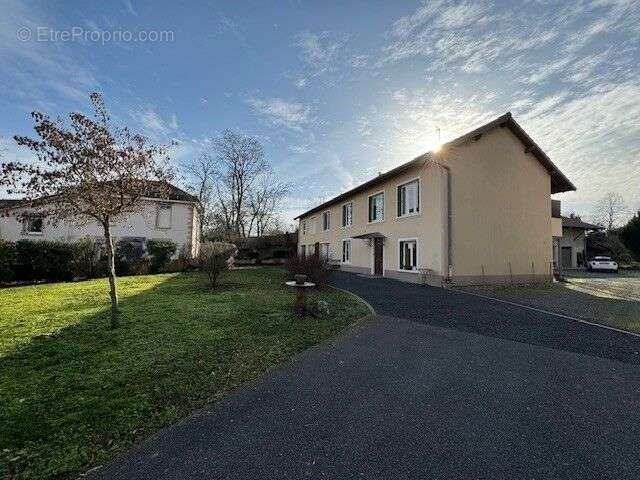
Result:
[
  {"x": 154, "y": 189},
  {"x": 559, "y": 183},
  {"x": 9, "y": 202},
  {"x": 171, "y": 192},
  {"x": 576, "y": 222}
]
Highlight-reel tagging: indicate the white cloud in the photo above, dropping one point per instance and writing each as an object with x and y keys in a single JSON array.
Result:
[
  {"x": 153, "y": 123},
  {"x": 36, "y": 72},
  {"x": 281, "y": 113},
  {"x": 320, "y": 51},
  {"x": 130, "y": 8}
]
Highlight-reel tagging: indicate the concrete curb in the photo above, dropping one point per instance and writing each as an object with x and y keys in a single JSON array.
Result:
[{"x": 372, "y": 311}]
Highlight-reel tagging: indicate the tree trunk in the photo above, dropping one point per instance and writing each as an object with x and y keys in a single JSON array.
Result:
[{"x": 111, "y": 273}]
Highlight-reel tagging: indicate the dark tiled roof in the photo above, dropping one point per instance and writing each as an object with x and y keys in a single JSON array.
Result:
[
  {"x": 154, "y": 189},
  {"x": 576, "y": 222},
  {"x": 165, "y": 190},
  {"x": 559, "y": 183},
  {"x": 9, "y": 202}
]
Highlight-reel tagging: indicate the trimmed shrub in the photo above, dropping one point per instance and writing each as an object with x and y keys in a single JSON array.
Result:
[
  {"x": 44, "y": 260},
  {"x": 130, "y": 257},
  {"x": 8, "y": 256},
  {"x": 85, "y": 259},
  {"x": 315, "y": 268},
  {"x": 160, "y": 252},
  {"x": 215, "y": 258}
]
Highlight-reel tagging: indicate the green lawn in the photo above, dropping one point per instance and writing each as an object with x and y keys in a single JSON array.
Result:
[{"x": 73, "y": 393}]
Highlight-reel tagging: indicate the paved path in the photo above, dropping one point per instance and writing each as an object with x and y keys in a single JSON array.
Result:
[{"x": 462, "y": 388}]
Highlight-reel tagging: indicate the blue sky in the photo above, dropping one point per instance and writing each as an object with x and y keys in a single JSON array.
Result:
[{"x": 338, "y": 91}]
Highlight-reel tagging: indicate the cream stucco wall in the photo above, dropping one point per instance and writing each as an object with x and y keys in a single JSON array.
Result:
[
  {"x": 501, "y": 214},
  {"x": 183, "y": 231},
  {"x": 426, "y": 226},
  {"x": 500, "y": 217}
]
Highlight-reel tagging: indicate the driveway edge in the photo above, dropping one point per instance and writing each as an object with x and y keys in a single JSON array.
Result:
[{"x": 555, "y": 314}]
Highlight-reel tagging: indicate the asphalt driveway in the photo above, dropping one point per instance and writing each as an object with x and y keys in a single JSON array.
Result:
[
  {"x": 458, "y": 387},
  {"x": 604, "y": 298}
]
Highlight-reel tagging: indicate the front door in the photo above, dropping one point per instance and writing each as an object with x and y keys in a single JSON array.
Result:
[
  {"x": 565, "y": 257},
  {"x": 377, "y": 256}
]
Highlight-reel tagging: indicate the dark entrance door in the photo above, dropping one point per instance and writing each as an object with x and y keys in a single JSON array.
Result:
[
  {"x": 377, "y": 256},
  {"x": 566, "y": 257}
]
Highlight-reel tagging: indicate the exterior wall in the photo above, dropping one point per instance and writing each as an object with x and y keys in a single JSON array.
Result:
[
  {"x": 140, "y": 224},
  {"x": 501, "y": 218},
  {"x": 426, "y": 227},
  {"x": 576, "y": 239}
]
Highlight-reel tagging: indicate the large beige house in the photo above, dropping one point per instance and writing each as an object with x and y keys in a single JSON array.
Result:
[
  {"x": 477, "y": 211},
  {"x": 172, "y": 215}
]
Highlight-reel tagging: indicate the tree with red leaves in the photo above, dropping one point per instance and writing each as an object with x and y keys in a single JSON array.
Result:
[{"x": 91, "y": 170}]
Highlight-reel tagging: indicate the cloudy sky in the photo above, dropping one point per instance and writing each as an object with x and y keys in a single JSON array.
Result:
[{"x": 338, "y": 91}]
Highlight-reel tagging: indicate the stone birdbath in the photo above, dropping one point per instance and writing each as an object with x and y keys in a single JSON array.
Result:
[{"x": 300, "y": 284}]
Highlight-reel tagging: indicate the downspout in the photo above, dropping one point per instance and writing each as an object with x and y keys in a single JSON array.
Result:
[
  {"x": 449, "y": 252},
  {"x": 449, "y": 221}
]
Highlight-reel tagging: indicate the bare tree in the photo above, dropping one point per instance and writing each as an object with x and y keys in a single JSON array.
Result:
[
  {"x": 202, "y": 175},
  {"x": 610, "y": 210},
  {"x": 240, "y": 164},
  {"x": 91, "y": 170},
  {"x": 264, "y": 200}
]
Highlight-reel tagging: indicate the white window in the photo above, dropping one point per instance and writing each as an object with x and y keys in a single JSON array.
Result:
[
  {"x": 324, "y": 251},
  {"x": 33, "y": 225},
  {"x": 376, "y": 207},
  {"x": 314, "y": 225},
  {"x": 303, "y": 250},
  {"x": 346, "y": 251},
  {"x": 303, "y": 227},
  {"x": 409, "y": 198},
  {"x": 347, "y": 214},
  {"x": 408, "y": 254},
  {"x": 326, "y": 221},
  {"x": 163, "y": 216}
]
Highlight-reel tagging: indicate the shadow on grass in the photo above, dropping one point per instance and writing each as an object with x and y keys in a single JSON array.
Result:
[{"x": 76, "y": 398}]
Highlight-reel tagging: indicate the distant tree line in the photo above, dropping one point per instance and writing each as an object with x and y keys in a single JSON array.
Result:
[{"x": 238, "y": 191}]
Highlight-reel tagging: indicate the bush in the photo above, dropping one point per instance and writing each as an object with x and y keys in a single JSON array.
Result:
[
  {"x": 7, "y": 261},
  {"x": 215, "y": 258},
  {"x": 129, "y": 257},
  {"x": 85, "y": 263},
  {"x": 160, "y": 252},
  {"x": 44, "y": 260},
  {"x": 619, "y": 251},
  {"x": 315, "y": 268}
]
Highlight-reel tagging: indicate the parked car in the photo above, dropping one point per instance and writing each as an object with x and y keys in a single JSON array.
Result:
[{"x": 602, "y": 264}]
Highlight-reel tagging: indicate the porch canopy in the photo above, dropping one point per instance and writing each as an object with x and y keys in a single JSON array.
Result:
[{"x": 369, "y": 236}]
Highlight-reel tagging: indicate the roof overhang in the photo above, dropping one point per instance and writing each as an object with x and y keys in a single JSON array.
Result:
[
  {"x": 369, "y": 236},
  {"x": 559, "y": 182}
]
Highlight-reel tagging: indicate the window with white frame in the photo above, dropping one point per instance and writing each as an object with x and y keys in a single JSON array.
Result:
[
  {"x": 409, "y": 198},
  {"x": 376, "y": 207},
  {"x": 163, "y": 216},
  {"x": 303, "y": 250},
  {"x": 326, "y": 221},
  {"x": 313, "y": 227},
  {"x": 324, "y": 251},
  {"x": 347, "y": 214},
  {"x": 346, "y": 251},
  {"x": 303, "y": 227},
  {"x": 408, "y": 254},
  {"x": 33, "y": 225}
]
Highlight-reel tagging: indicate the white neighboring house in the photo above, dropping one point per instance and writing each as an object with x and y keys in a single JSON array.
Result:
[{"x": 174, "y": 216}]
